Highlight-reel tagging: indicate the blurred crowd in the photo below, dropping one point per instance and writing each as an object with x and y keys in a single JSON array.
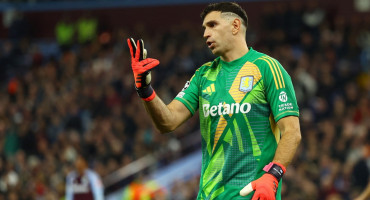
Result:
[
  {"x": 327, "y": 56},
  {"x": 77, "y": 95}
]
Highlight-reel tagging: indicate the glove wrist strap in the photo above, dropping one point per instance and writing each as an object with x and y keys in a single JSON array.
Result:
[
  {"x": 275, "y": 169},
  {"x": 146, "y": 93}
]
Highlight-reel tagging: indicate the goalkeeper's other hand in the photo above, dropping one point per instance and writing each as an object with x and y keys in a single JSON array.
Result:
[
  {"x": 266, "y": 186},
  {"x": 141, "y": 67}
]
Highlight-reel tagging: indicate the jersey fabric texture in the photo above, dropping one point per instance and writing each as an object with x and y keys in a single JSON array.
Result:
[{"x": 239, "y": 104}]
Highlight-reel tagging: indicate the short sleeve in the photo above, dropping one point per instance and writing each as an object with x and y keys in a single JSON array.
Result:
[
  {"x": 279, "y": 90},
  {"x": 189, "y": 95}
]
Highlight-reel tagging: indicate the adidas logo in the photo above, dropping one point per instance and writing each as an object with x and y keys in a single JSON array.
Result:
[{"x": 210, "y": 89}]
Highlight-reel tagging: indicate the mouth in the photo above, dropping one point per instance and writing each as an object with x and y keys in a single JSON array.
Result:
[{"x": 210, "y": 44}]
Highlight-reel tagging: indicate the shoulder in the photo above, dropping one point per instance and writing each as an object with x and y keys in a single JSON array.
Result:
[
  {"x": 208, "y": 65},
  {"x": 267, "y": 64},
  {"x": 71, "y": 175},
  {"x": 90, "y": 172},
  {"x": 264, "y": 60}
]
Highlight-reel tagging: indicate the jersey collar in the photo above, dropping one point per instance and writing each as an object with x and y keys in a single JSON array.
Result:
[{"x": 238, "y": 62}]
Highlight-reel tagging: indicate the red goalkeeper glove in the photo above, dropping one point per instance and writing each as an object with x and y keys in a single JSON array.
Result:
[
  {"x": 141, "y": 67},
  {"x": 265, "y": 187}
]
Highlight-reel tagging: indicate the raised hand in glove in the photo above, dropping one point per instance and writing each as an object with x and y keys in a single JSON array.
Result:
[
  {"x": 141, "y": 67},
  {"x": 266, "y": 186}
]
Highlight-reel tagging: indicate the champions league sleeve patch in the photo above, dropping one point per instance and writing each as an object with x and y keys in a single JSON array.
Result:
[
  {"x": 186, "y": 86},
  {"x": 182, "y": 93}
]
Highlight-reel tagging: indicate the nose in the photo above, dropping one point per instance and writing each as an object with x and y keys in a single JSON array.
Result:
[{"x": 206, "y": 33}]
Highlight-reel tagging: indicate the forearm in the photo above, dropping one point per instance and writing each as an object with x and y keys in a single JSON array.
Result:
[
  {"x": 267, "y": 183},
  {"x": 291, "y": 137},
  {"x": 161, "y": 115},
  {"x": 69, "y": 194},
  {"x": 165, "y": 117}
]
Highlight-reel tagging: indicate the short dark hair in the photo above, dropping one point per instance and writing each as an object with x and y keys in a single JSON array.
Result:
[{"x": 226, "y": 7}]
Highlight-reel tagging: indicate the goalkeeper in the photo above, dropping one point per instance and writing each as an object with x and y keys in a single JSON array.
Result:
[{"x": 247, "y": 107}]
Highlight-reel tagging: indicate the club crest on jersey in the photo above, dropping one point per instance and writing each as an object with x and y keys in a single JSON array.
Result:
[{"x": 246, "y": 83}]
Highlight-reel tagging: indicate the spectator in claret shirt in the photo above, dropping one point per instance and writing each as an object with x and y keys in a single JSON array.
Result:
[{"x": 84, "y": 183}]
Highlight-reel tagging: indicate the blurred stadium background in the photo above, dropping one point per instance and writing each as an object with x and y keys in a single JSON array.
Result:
[{"x": 66, "y": 87}]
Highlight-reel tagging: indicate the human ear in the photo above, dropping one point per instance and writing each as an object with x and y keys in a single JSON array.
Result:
[{"x": 236, "y": 26}]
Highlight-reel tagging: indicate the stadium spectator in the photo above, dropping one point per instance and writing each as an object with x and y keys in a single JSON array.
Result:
[
  {"x": 83, "y": 183},
  {"x": 87, "y": 29},
  {"x": 65, "y": 31}
]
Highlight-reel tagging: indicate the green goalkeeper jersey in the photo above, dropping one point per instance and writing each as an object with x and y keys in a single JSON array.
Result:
[{"x": 239, "y": 104}]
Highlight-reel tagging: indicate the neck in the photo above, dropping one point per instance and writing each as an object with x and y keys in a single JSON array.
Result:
[
  {"x": 236, "y": 51},
  {"x": 81, "y": 171}
]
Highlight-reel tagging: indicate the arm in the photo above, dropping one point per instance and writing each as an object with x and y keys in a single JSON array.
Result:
[
  {"x": 69, "y": 192},
  {"x": 290, "y": 139},
  {"x": 97, "y": 186},
  {"x": 281, "y": 97},
  {"x": 167, "y": 118}
]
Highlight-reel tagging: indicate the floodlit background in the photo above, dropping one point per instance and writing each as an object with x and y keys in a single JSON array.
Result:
[{"x": 67, "y": 87}]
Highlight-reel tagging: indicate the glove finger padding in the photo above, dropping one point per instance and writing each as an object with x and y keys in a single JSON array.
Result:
[
  {"x": 137, "y": 53},
  {"x": 132, "y": 46},
  {"x": 143, "y": 54},
  {"x": 143, "y": 51},
  {"x": 144, "y": 65},
  {"x": 247, "y": 189}
]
